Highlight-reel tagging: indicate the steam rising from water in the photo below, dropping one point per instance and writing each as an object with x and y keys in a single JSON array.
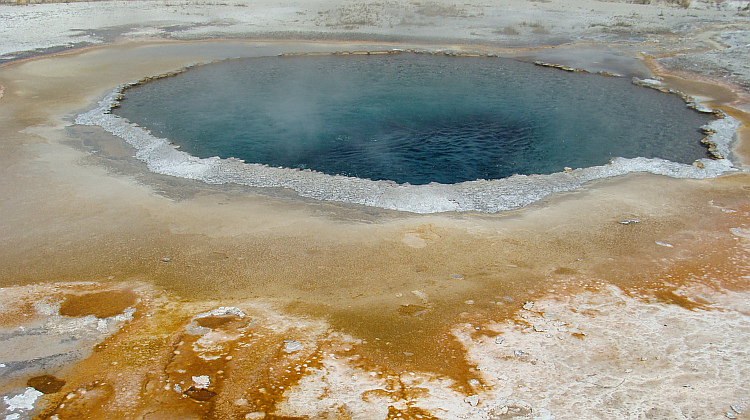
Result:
[{"x": 289, "y": 103}]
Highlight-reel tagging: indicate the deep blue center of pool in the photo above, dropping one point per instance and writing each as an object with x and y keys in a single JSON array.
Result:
[{"x": 413, "y": 118}]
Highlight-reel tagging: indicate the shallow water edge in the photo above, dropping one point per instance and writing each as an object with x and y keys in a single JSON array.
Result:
[{"x": 488, "y": 196}]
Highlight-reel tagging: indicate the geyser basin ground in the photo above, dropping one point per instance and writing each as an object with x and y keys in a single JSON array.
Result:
[
  {"x": 385, "y": 305},
  {"x": 416, "y": 119}
]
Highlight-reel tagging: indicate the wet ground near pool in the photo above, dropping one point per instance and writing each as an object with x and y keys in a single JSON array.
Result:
[{"x": 334, "y": 287}]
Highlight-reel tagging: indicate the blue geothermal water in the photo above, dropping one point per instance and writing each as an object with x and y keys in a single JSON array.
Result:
[{"x": 413, "y": 118}]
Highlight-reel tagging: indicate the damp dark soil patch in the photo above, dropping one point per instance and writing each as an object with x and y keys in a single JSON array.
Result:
[
  {"x": 46, "y": 384},
  {"x": 99, "y": 304}
]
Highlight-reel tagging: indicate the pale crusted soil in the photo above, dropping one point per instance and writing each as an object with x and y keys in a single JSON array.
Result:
[
  {"x": 347, "y": 311},
  {"x": 711, "y": 35}
]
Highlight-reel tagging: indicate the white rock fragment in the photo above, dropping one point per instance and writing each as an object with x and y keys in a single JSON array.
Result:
[
  {"x": 202, "y": 381},
  {"x": 472, "y": 399},
  {"x": 126, "y": 315},
  {"x": 528, "y": 305},
  {"x": 499, "y": 340},
  {"x": 664, "y": 244},
  {"x": 730, "y": 415},
  {"x": 290, "y": 346},
  {"x": 736, "y": 408},
  {"x": 23, "y": 401},
  {"x": 222, "y": 311},
  {"x": 648, "y": 82},
  {"x": 629, "y": 222}
]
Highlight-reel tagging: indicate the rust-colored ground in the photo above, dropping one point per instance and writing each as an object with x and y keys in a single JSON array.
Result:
[{"x": 379, "y": 292}]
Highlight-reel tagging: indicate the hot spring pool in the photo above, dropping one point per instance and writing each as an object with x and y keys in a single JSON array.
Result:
[{"x": 417, "y": 132}]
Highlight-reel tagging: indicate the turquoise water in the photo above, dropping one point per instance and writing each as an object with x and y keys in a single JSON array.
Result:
[{"x": 413, "y": 118}]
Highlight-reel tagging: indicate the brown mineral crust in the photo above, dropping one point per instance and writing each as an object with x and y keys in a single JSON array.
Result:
[
  {"x": 410, "y": 412},
  {"x": 711, "y": 254},
  {"x": 199, "y": 394},
  {"x": 214, "y": 321},
  {"x": 89, "y": 401},
  {"x": 46, "y": 384},
  {"x": 99, "y": 304},
  {"x": 154, "y": 351},
  {"x": 19, "y": 310}
]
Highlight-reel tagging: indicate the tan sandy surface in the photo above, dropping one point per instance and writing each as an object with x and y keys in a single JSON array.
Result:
[{"x": 109, "y": 273}]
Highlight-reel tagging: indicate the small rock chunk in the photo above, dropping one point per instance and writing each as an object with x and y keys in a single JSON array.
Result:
[
  {"x": 472, "y": 399},
  {"x": 202, "y": 381},
  {"x": 519, "y": 353},
  {"x": 629, "y": 222},
  {"x": 290, "y": 346}
]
